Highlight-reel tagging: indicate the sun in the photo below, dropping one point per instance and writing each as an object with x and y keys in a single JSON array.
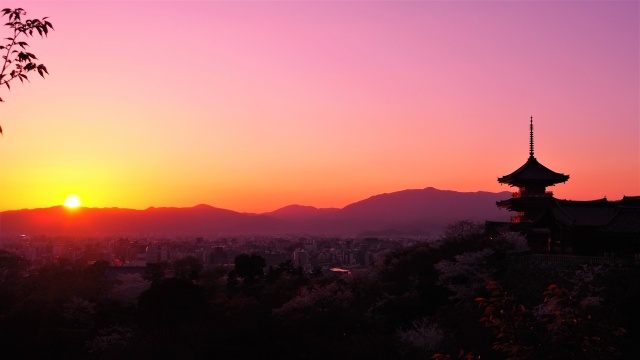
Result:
[{"x": 72, "y": 201}]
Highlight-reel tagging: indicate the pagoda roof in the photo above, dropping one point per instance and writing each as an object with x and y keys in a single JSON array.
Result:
[{"x": 533, "y": 173}]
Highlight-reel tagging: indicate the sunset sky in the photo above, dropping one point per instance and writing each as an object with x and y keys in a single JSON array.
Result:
[{"x": 251, "y": 106}]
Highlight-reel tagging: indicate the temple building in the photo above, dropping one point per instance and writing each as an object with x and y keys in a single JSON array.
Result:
[{"x": 597, "y": 227}]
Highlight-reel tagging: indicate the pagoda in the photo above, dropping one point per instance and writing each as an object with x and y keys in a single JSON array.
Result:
[
  {"x": 532, "y": 180},
  {"x": 593, "y": 227}
]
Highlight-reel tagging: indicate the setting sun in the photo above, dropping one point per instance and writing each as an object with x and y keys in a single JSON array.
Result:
[{"x": 72, "y": 201}]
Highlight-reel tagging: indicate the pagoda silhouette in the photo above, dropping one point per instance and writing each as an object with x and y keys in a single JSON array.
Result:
[{"x": 596, "y": 227}]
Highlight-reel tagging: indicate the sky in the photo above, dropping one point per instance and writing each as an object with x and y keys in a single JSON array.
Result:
[{"x": 255, "y": 105}]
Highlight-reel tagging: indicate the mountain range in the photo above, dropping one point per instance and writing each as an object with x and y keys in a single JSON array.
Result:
[{"x": 408, "y": 212}]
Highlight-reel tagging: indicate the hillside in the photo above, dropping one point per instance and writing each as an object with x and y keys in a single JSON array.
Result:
[{"x": 408, "y": 212}]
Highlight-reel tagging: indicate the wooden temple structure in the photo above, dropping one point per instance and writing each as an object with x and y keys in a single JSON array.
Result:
[{"x": 597, "y": 227}]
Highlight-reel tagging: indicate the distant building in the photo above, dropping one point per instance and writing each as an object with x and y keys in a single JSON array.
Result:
[
  {"x": 598, "y": 227},
  {"x": 300, "y": 257},
  {"x": 218, "y": 256},
  {"x": 274, "y": 258},
  {"x": 153, "y": 254},
  {"x": 164, "y": 253}
]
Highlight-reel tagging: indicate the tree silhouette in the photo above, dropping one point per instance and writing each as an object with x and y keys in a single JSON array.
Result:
[
  {"x": 188, "y": 268},
  {"x": 249, "y": 267},
  {"x": 17, "y": 61}
]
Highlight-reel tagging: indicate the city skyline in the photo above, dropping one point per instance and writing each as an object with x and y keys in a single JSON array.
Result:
[{"x": 253, "y": 106}]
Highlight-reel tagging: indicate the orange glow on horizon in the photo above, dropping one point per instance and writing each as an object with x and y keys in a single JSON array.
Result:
[{"x": 319, "y": 103}]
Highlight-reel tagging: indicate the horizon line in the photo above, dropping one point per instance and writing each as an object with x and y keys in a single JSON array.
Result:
[{"x": 281, "y": 207}]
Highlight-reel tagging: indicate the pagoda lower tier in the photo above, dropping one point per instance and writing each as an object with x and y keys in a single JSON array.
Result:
[
  {"x": 528, "y": 208},
  {"x": 597, "y": 227}
]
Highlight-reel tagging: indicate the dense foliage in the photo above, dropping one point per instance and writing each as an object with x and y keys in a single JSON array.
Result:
[{"x": 465, "y": 297}]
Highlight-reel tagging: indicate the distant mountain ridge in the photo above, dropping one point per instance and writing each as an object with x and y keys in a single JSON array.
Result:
[
  {"x": 301, "y": 211},
  {"x": 407, "y": 212}
]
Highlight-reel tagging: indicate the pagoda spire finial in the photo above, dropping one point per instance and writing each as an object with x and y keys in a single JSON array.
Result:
[{"x": 531, "y": 137}]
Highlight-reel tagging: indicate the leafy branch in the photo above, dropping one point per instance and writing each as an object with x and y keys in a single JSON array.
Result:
[
  {"x": 510, "y": 319},
  {"x": 16, "y": 61}
]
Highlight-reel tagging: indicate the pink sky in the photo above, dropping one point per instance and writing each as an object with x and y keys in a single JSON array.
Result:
[{"x": 252, "y": 106}]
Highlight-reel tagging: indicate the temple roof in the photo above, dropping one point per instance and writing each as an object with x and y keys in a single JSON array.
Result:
[
  {"x": 607, "y": 216},
  {"x": 626, "y": 220},
  {"x": 584, "y": 213},
  {"x": 533, "y": 173}
]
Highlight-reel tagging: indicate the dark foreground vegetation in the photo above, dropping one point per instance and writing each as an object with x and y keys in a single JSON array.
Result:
[{"x": 466, "y": 297}]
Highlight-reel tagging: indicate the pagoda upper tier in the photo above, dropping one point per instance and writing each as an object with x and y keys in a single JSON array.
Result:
[{"x": 533, "y": 173}]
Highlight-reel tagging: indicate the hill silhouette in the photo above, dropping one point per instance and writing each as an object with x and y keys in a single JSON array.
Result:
[{"x": 408, "y": 212}]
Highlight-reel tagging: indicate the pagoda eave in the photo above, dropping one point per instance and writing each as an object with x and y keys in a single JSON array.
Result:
[
  {"x": 523, "y": 182},
  {"x": 533, "y": 173},
  {"x": 517, "y": 203}
]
